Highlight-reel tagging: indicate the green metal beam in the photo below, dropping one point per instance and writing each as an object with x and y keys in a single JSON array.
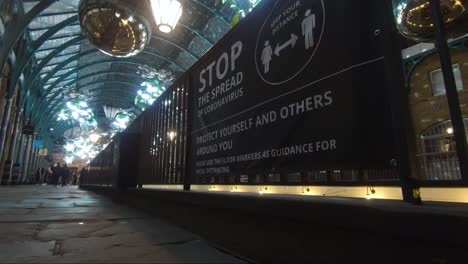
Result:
[
  {"x": 47, "y": 101},
  {"x": 14, "y": 31},
  {"x": 73, "y": 58},
  {"x": 57, "y": 14},
  {"x": 64, "y": 68},
  {"x": 63, "y": 64},
  {"x": 213, "y": 11},
  {"x": 47, "y": 49},
  {"x": 93, "y": 74},
  {"x": 121, "y": 100},
  {"x": 51, "y": 107},
  {"x": 55, "y": 64},
  {"x": 196, "y": 32},
  {"x": 136, "y": 62},
  {"x": 65, "y": 35},
  {"x": 61, "y": 75},
  {"x": 50, "y": 100},
  {"x": 109, "y": 81},
  {"x": 20, "y": 63},
  {"x": 45, "y": 28},
  {"x": 194, "y": 56},
  {"x": 111, "y": 93},
  {"x": 37, "y": 69},
  {"x": 62, "y": 55},
  {"x": 48, "y": 122},
  {"x": 127, "y": 61},
  {"x": 96, "y": 74}
]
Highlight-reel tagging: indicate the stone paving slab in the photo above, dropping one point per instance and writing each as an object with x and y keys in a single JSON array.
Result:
[
  {"x": 13, "y": 252},
  {"x": 46, "y": 224}
]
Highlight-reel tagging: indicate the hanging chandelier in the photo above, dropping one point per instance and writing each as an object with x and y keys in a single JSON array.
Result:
[
  {"x": 111, "y": 111},
  {"x": 115, "y": 27},
  {"x": 166, "y": 14},
  {"x": 148, "y": 72},
  {"x": 414, "y": 18}
]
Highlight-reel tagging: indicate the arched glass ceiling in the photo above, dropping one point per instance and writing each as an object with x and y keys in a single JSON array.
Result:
[{"x": 64, "y": 61}]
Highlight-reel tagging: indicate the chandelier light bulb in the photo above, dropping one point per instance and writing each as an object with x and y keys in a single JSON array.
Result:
[
  {"x": 94, "y": 137},
  {"x": 166, "y": 14}
]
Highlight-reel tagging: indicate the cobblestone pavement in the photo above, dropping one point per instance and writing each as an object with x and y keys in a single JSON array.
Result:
[{"x": 49, "y": 224}]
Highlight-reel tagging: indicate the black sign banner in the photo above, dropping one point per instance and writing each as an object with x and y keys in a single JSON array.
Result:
[{"x": 297, "y": 85}]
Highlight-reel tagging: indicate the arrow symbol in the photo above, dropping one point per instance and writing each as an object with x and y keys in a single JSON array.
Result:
[{"x": 292, "y": 41}]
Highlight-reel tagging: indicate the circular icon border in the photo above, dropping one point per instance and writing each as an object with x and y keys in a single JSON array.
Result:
[{"x": 305, "y": 65}]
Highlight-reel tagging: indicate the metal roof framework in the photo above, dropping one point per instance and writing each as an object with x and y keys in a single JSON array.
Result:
[{"x": 56, "y": 58}]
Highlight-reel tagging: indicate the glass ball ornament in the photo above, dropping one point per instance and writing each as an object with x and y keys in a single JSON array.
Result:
[
  {"x": 115, "y": 27},
  {"x": 414, "y": 18}
]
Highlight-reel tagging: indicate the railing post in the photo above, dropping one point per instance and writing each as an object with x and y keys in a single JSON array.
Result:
[
  {"x": 188, "y": 166},
  {"x": 398, "y": 103},
  {"x": 450, "y": 88}
]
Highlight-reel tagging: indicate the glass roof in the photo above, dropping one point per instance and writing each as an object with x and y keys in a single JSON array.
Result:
[
  {"x": 201, "y": 26},
  {"x": 72, "y": 49}
]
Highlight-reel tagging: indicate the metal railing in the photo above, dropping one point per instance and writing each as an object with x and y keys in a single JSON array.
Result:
[
  {"x": 163, "y": 137},
  {"x": 164, "y": 150},
  {"x": 101, "y": 169},
  {"x": 439, "y": 166}
]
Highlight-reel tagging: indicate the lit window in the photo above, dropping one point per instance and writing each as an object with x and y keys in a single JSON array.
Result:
[{"x": 437, "y": 80}]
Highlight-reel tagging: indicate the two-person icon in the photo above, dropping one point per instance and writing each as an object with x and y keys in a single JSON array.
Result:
[{"x": 307, "y": 28}]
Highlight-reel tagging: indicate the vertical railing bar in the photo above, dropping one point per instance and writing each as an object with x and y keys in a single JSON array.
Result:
[
  {"x": 155, "y": 143},
  {"x": 166, "y": 141},
  {"x": 151, "y": 143},
  {"x": 185, "y": 116},
  {"x": 160, "y": 143},
  {"x": 176, "y": 139},
  {"x": 189, "y": 112},
  {"x": 398, "y": 99},
  {"x": 172, "y": 143},
  {"x": 178, "y": 136},
  {"x": 177, "y": 128},
  {"x": 450, "y": 88},
  {"x": 184, "y": 131}
]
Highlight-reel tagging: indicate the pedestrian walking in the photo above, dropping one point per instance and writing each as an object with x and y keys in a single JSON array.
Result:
[
  {"x": 57, "y": 174},
  {"x": 65, "y": 174}
]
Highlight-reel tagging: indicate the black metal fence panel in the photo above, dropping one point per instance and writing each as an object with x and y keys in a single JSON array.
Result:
[
  {"x": 270, "y": 101},
  {"x": 163, "y": 137},
  {"x": 101, "y": 169},
  {"x": 168, "y": 145}
]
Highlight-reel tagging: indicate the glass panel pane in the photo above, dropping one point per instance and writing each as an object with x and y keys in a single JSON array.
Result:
[
  {"x": 55, "y": 42},
  {"x": 48, "y": 21},
  {"x": 437, "y": 80}
]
